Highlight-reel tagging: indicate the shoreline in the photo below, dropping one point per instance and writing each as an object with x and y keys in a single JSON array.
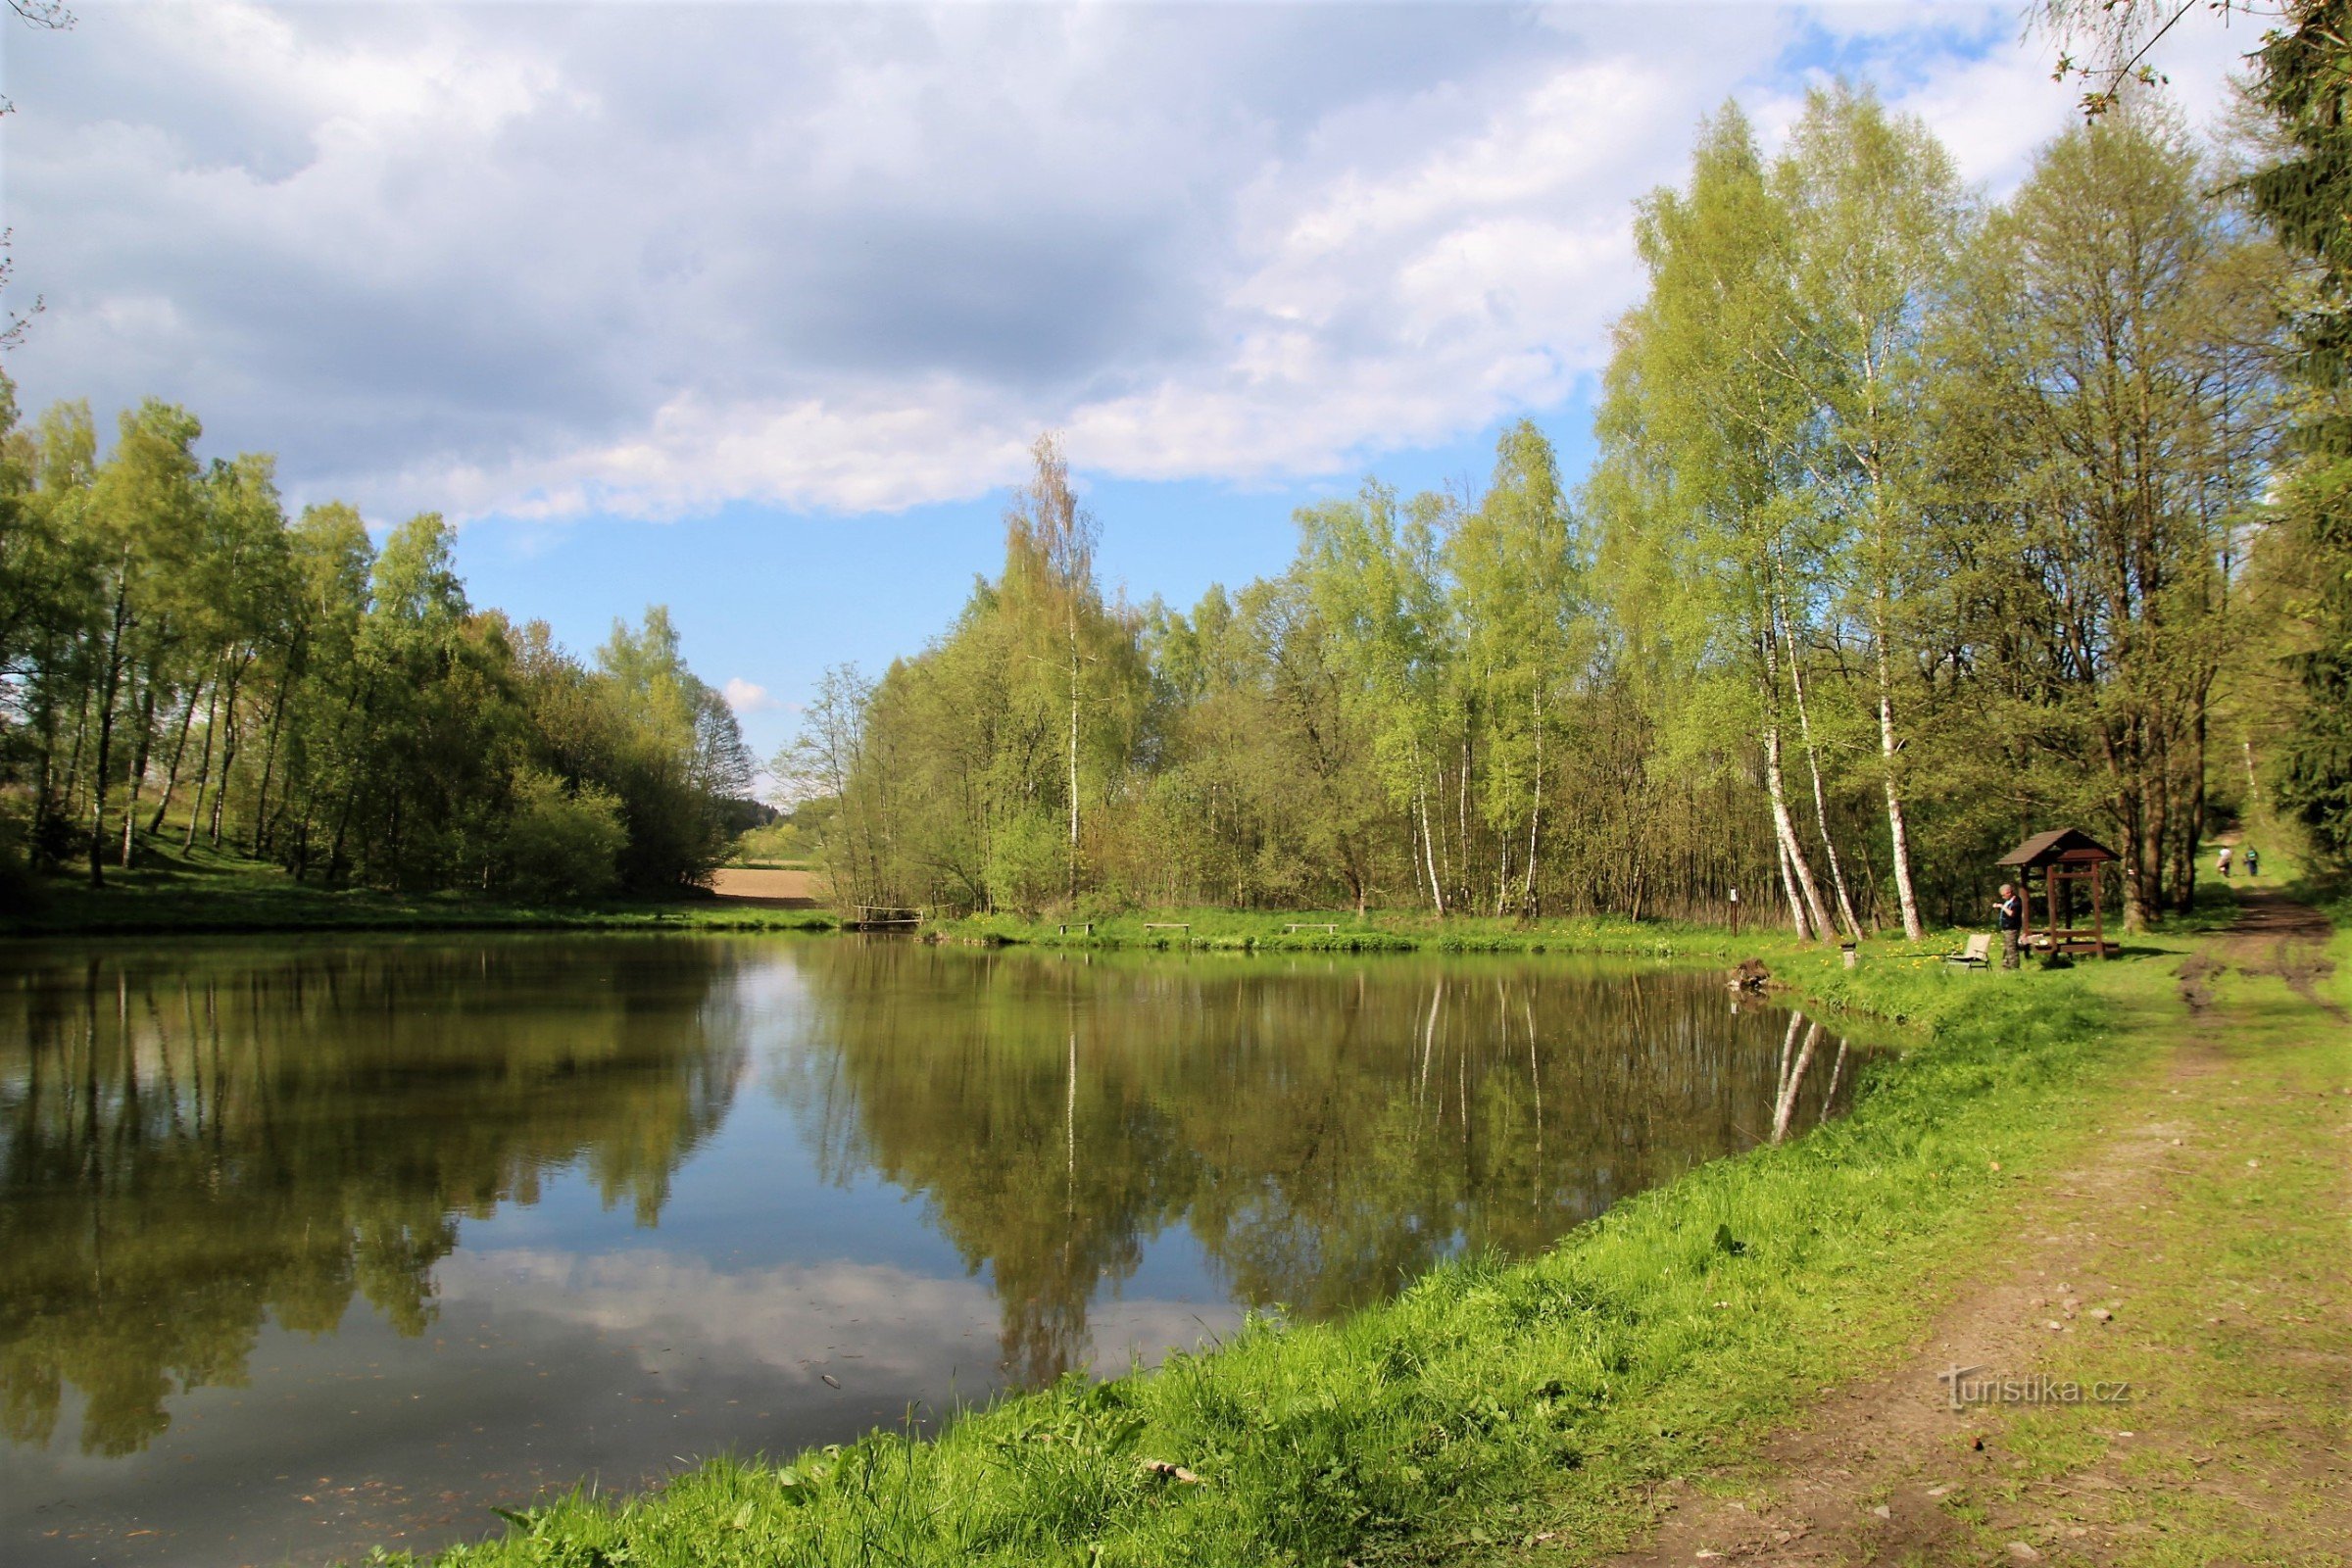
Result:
[
  {"x": 255, "y": 909},
  {"x": 222, "y": 894},
  {"x": 649, "y": 918},
  {"x": 254, "y": 906}
]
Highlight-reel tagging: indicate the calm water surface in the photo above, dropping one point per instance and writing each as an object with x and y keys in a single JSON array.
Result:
[{"x": 309, "y": 1245}]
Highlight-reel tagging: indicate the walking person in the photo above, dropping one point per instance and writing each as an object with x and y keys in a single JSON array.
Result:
[
  {"x": 2253, "y": 862},
  {"x": 2012, "y": 910},
  {"x": 2224, "y": 860}
]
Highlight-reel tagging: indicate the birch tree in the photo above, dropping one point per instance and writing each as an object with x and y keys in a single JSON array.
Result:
[
  {"x": 1878, "y": 220},
  {"x": 1372, "y": 572},
  {"x": 1705, "y": 422},
  {"x": 1518, "y": 584}
]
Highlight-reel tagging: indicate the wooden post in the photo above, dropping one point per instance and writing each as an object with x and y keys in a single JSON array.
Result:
[
  {"x": 2099, "y": 912},
  {"x": 2049, "y": 880},
  {"x": 1735, "y": 914}
]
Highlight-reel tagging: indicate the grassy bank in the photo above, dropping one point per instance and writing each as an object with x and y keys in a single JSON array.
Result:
[
  {"x": 1490, "y": 1403},
  {"x": 1419, "y": 930},
  {"x": 171, "y": 892}
]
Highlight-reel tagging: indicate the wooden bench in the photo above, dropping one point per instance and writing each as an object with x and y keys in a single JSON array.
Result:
[
  {"x": 1085, "y": 926},
  {"x": 1978, "y": 955},
  {"x": 1327, "y": 927},
  {"x": 1167, "y": 925}
]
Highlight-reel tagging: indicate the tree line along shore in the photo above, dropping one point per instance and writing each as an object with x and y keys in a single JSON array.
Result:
[{"x": 1919, "y": 522}]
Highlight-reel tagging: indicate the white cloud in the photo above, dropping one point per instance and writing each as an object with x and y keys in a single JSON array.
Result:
[
  {"x": 745, "y": 697},
  {"x": 539, "y": 260},
  {"x": 859, "y": 1321}
]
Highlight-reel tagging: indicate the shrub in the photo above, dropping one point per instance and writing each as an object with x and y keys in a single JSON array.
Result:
[
  {"x": 1029, "y": 862},
  {"x": 561, "y": 841}
]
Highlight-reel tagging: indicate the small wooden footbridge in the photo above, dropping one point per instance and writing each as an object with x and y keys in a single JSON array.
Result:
[{"x": 884, "y": 917}]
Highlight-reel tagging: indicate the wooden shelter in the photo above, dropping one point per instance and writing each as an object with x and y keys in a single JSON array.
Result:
[{"x": 2063, "y": 857}]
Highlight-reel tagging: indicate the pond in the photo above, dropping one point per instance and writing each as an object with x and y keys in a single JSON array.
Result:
[{"x": 307, "y": 1246}]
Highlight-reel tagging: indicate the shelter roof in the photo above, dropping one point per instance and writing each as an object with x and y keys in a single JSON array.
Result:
[{"x": 2063, "y": 846}]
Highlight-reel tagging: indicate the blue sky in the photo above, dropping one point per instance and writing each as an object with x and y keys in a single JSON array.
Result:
[{"x": 752, "y": 309}]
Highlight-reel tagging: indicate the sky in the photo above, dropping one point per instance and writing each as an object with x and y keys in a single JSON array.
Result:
[{"x": 753, "y": 310}]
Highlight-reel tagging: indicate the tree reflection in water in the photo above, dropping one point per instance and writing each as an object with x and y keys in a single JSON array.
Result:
[
  {"x": 1325, "y": 1129},
  {"x": 194, "y": 1140},
  {"x": 197, "y": 1142}
]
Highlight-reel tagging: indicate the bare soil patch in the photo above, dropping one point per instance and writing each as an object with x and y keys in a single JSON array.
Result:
[
  {"x": 2276, "y": 936},
  {"x": 775, "y": 890}
]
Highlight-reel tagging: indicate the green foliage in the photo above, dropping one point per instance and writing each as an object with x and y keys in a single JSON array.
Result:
[
  {"x": 674, "y": 757},
  {"x": 2299, "y": 188},
  {"x": 975, "y": 774},
  {"x": 1520, "y": 600},
  {"x": 2122, "y": 391},
  {"x": 2312, "y": 588},
  {"x": 786, "y": 839},
  {"x": 1027, "y": 857},
  {"x": 561, "y": 841},
  {"x": 18, "y": 888},
  {"x": 179, "y": 663},
  {"x": 2302, "y": 191}
]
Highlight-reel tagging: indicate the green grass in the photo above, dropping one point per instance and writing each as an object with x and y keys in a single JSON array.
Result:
[
  {"x": 2214, "y": 904},
  {"x": 171, "y": 891},
  {"x": 1488, "y": 1403}
]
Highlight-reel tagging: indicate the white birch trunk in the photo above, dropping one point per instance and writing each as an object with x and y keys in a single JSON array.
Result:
[
  {"x": 1535, "y": 810},
  {"x": 1429, "y": 856},
  {"x": 1784, "y": 823},
  {"x": 1898, "y": 831},
  {"x": 1797, "y": 908},
  {"x": 1820, "y": 808}
]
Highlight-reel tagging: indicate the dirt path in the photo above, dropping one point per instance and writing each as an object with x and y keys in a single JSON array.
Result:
[
  {"x": 2201, "y": 1259},
  {"x": 2276, "y": 936}
]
